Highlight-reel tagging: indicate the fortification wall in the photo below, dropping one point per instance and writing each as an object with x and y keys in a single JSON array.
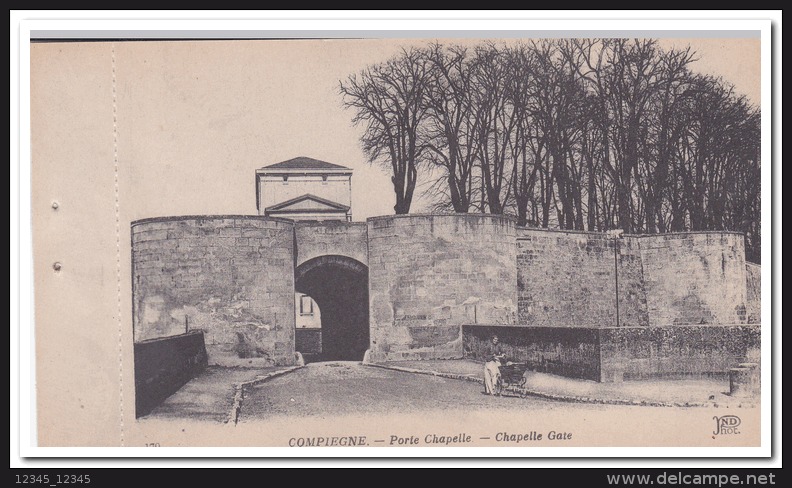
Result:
[
  {"x": 753, "y": 293},
  {"x": 429, "y": 274},
  {"x": 694, "y": 278},
  {"x": 568, "y": 279},
  {"x": 331, "y": 237},
  {"x": 230, "y": 276}
]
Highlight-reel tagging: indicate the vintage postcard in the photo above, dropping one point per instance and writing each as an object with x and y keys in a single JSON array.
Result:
[{"x": 515, "y": 240}]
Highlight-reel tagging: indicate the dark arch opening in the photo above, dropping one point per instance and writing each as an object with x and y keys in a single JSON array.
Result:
[{"x": 339, "y": 285}]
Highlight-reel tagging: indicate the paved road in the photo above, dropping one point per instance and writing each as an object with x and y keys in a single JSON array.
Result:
[
  {"x": 208, "y": 396},
  {"x": 350, "y": 388},
  {"x": 344, "y": 402}
]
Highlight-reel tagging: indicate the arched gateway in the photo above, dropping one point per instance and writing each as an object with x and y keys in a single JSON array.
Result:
[{"x": 339, "y": 286}]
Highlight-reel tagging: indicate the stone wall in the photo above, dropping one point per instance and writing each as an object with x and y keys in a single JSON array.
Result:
[
  {"x": 609, "y": 354},
  {"x": 429, "y": 274},
  {"x": 694, "y": 278},
  {"x": 753, "y": 293},
  {"x": 163, "y": 365},
  {"x": 568, "y": 279},
  {"x": 234, "y": 278},
  {"x": 633, "y": 310},
  {"x": 231, "y": 276},
  {"x": 675, "y": 350},
  {"x": 565, "y": 351},
  {"x": 331, "y": 238}
]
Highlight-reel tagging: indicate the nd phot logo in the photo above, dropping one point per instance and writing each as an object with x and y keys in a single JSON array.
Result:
[{"x": 726, "y": 424}]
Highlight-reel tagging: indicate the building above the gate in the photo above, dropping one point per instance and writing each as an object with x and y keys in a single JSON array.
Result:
[{"x": 304, "y": 188}]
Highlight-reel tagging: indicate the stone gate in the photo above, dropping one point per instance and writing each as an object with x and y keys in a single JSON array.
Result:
[{"x": 435, "y": 286}]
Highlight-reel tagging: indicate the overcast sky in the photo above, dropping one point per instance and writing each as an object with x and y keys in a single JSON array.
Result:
[{"x": 197, "y": 118}]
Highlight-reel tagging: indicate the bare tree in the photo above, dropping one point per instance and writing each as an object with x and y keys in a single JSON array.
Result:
[
  {"x": 666, "y": 124},
  {"x": 452, "y": 123},
  {"x": 590, "y": 134},
  {"x": 497, "y": 121},
  {"x": 718, "y": 160},
  {"x": 389, "y": 100},
  {"x": 526, "y": 147}
]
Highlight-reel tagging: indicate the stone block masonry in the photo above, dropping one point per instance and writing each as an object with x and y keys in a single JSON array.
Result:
[
  {"x": 230, "y": 276},
  {"x": 429, "y": 274},
  {"x": 753, "y": 293},
  {"x": 694, "y": 278},
  {"x": 569, "y": 279},
  {"x": 663, "y": 303},
  {"x": 338, "y": 238}
]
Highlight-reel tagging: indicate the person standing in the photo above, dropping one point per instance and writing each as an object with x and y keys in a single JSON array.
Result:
[{"x": 495, "y": 357}]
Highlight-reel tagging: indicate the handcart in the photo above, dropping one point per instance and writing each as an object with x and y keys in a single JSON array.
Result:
[{"x": 511, "y": 375}]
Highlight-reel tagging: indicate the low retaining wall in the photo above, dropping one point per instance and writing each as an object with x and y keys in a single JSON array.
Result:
[
  {"x": 698, "y": 350},
  {"x": 164, "y": 365},
  {"x": 612, "y": 354},
  {"x": 571, "y": 352}
]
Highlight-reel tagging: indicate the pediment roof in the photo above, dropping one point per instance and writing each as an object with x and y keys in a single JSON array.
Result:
[{"x": 308, "y": 203}]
